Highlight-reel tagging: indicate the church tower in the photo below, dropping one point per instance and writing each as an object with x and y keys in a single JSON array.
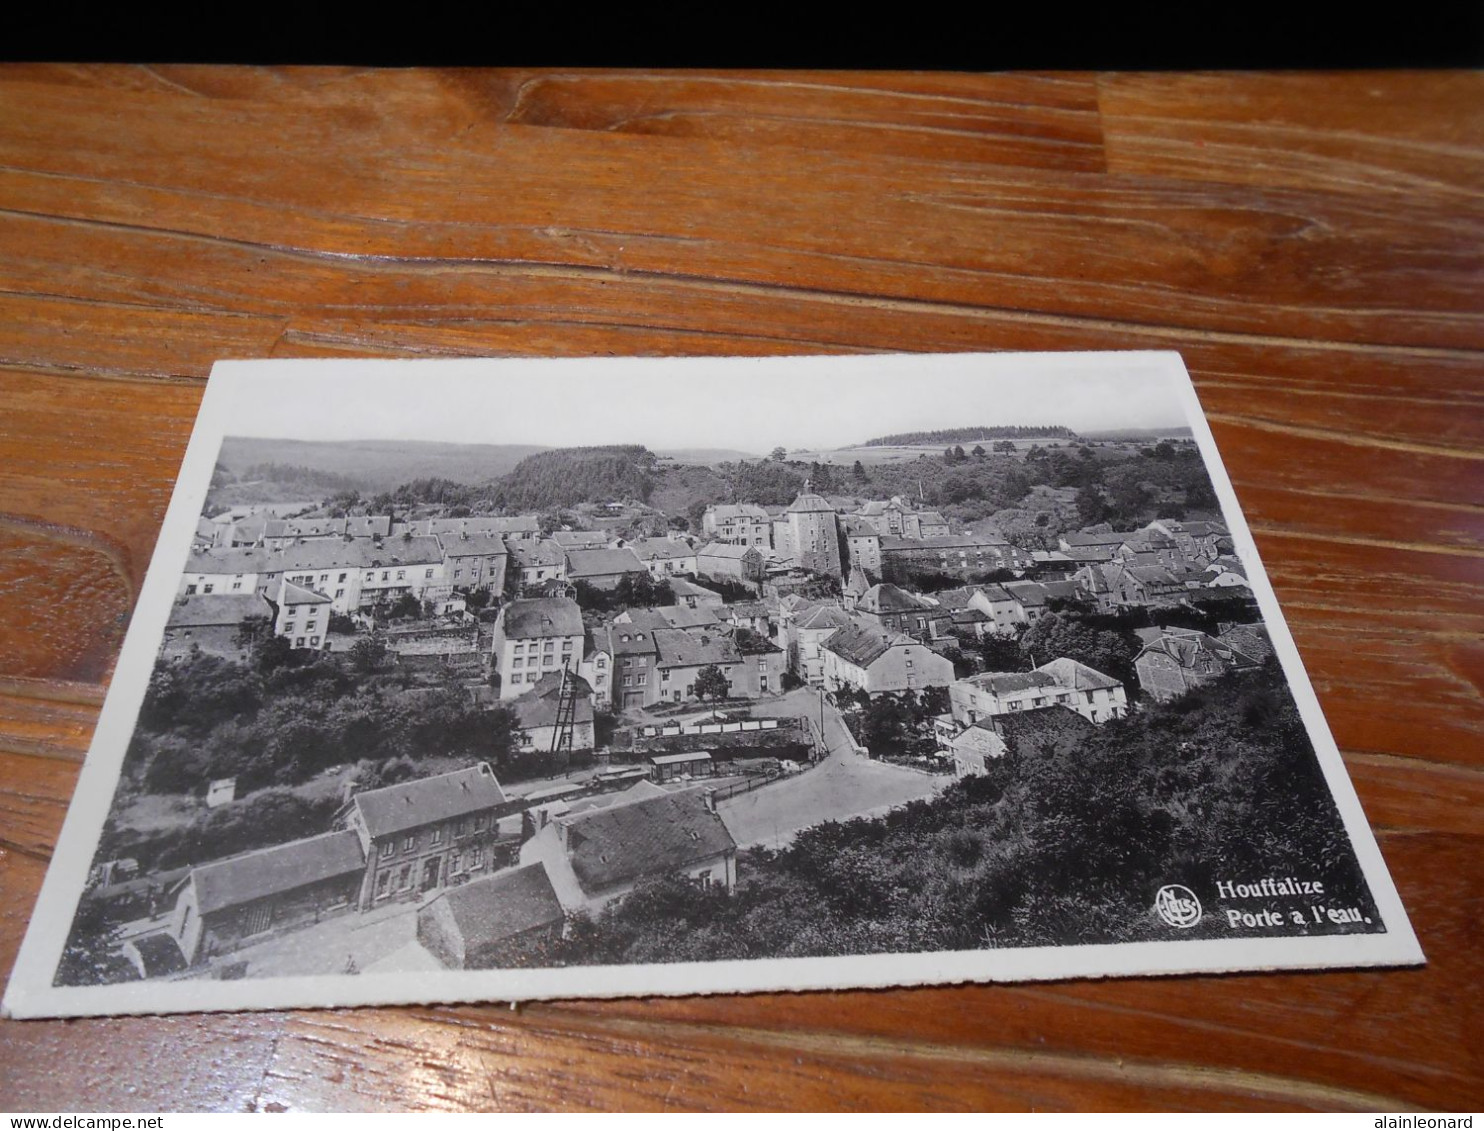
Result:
[{"x": 814, "y": 534}]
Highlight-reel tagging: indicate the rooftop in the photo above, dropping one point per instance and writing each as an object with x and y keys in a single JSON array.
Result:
[
  {"x": 540, "y": 617},
  {"x": 203, "y": 612},
  {"x": 407, "y": 805},
  {"x": 602, "y": 563},
  {"x": 862, "y": 646},
  {"x": 501, "y": 906},
  {"x": 269, "y": 871},
  {"x": 622, "y": 844}
]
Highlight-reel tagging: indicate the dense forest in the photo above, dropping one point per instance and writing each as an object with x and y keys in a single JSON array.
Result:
[
  {"x": 1050, "y": 847},
  {"x": 971, "y": 435},
  {"x": 568, "y": 476}
]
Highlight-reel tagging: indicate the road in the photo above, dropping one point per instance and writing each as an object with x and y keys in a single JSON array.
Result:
[{"x": 844, "y": 785}]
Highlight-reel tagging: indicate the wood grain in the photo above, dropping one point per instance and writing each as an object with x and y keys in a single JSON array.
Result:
[{"x": 1310, "y": 243}]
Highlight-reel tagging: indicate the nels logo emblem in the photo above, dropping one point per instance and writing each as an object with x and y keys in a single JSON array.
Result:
[{"x": 1177, "y": 905}]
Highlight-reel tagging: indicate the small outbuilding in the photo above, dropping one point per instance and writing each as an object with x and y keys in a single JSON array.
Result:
[{"x": 501, "y": 920}]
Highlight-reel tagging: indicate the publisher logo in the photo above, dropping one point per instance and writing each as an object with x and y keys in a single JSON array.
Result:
[{"x": 1177, "y": 905}]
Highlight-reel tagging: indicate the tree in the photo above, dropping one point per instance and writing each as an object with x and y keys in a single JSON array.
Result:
[
  {"x": 368, "y": 654},
  {"x": 978, "y": 452},
  {"x": 958, "y": 453},
  {"x": 859, "y": 471},
  {"x": 778, "y": 455},
  {"x": 1005, "y": 446},
  {"x": 711, "y": 683}
]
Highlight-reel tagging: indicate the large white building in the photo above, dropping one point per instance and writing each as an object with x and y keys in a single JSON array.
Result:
[
  {"x": 1064, "y": 682},
  {"x": 533, "y": 638}
]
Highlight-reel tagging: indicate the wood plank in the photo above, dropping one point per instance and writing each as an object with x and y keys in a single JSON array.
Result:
[
  {"x": 1372, "y": 133},
  {"x": 1077, "y": 244}
]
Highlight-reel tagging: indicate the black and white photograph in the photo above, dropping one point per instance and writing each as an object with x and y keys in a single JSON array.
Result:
[{"x": 496, "y": 680}]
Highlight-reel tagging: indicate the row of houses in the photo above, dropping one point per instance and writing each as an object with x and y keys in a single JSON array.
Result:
[{"x": 487, "y": 869}]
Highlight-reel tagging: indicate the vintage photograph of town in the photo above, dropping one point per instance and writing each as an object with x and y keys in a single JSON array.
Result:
[{"x": 930, "y": 673}]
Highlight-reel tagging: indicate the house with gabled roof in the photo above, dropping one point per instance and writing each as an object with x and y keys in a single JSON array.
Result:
[
  {"x": 1251, "y": 640},
  {"x": 743, "y": 524},
  {"x": 507, "y": 918},
  {"x": 538, "y": 713},
  {"x": 213, "y": 625},
  {"x": 693, "y": 596},
  {"x": 1062, "y": 682},
  {"x": 974, "y": 747},
  {"x": 894, "y": 609},
  {"x": 230, "y": 903},
  {"x": 520, "y": 527},
  {"x": 664, "y": 557},
  {"x": 474, "y": 560},
  {"x": 420, "y": 835},
  {"x": 729, "y": 562},
  {"x": 303, "y": 616},
  {"x": 598, "y": 856},
  {"x": 865, "y": 657},
  {"x": 225, "y": 572},
  {"x": 805, "y": 632},
  {"x": 534, "y": 637},
  {"x": 603, "y": 568},
  {"x": 537, "y": 560},
  {"x": 1181, "y": 659}
]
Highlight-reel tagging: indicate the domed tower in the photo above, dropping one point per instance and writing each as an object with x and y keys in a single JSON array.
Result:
[{"x": 814, "y": 533}]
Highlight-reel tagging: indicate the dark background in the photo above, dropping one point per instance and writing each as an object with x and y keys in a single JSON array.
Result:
[{"x": 1045, "y": 36}]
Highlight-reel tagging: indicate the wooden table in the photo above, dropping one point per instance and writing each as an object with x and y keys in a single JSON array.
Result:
[{"x": 1312, "y": 244}]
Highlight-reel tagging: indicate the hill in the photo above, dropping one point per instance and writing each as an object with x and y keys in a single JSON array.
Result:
[
  {"x": 374, "y": 465},
  {"x": 975, "y": 434}
]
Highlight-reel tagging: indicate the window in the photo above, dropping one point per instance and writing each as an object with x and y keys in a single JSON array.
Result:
[
  {"x": 324, "y": 577},
  {"x": 429, "y": 572},
  {"x": 401, "y": 575},
  {"x": 516, "y": 677},
  {"x": 404, "y": 877},
  {"x": 548, "y": 660},
  {"x": 370, "y": 577},
  {"x": 520, "y": 646},
  {"x": 566, "y": 645},
  {"x": 478, "y": 822},
  {"x": 453, "y": 862},
  {"x": 437, "y": 837},
  {"x": 299, "y": 642},
  {"x": 549, "y": 646},
  {"x": 236, "y": 585},
  {"x": 207, "y": 588},
  {"x": 387, "y": 848},
  {"x": 409, "y": 843},
  {"x": 314, "y": 641},
  {"x": 385, "y": 575},
  {"x": 665, "y": 676},
  {"x": 340, "y": 592},
  {"x": 517, "y": 662},
  {"x": 190, "y": 589},
  {"x": 628, "y": 681},
  {"x": 383, "y": 883},
  {"x": 476, "y": 857},
  {"x": 641, "y": 679},
  {"x": 457, "y": 573},
  {"x": 342, "y": 577}
]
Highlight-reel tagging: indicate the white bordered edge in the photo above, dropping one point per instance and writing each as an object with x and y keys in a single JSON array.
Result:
[{"x": 31, "y": 994}]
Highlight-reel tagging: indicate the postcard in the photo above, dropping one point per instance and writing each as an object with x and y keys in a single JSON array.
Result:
[{"x": 467, "y": 680}]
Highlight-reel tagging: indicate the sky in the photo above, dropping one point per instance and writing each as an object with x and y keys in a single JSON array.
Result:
[{"x": 742, "y": 404}]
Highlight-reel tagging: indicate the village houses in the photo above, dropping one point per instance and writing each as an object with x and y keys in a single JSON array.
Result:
[
  {"x": 420, "y": 835},
  {"x": 1062, "y": 682},
  {"x": 740, "y": 523},
  {"x": 866, "y": 658},
  {"x": 598, "y": 856}
]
